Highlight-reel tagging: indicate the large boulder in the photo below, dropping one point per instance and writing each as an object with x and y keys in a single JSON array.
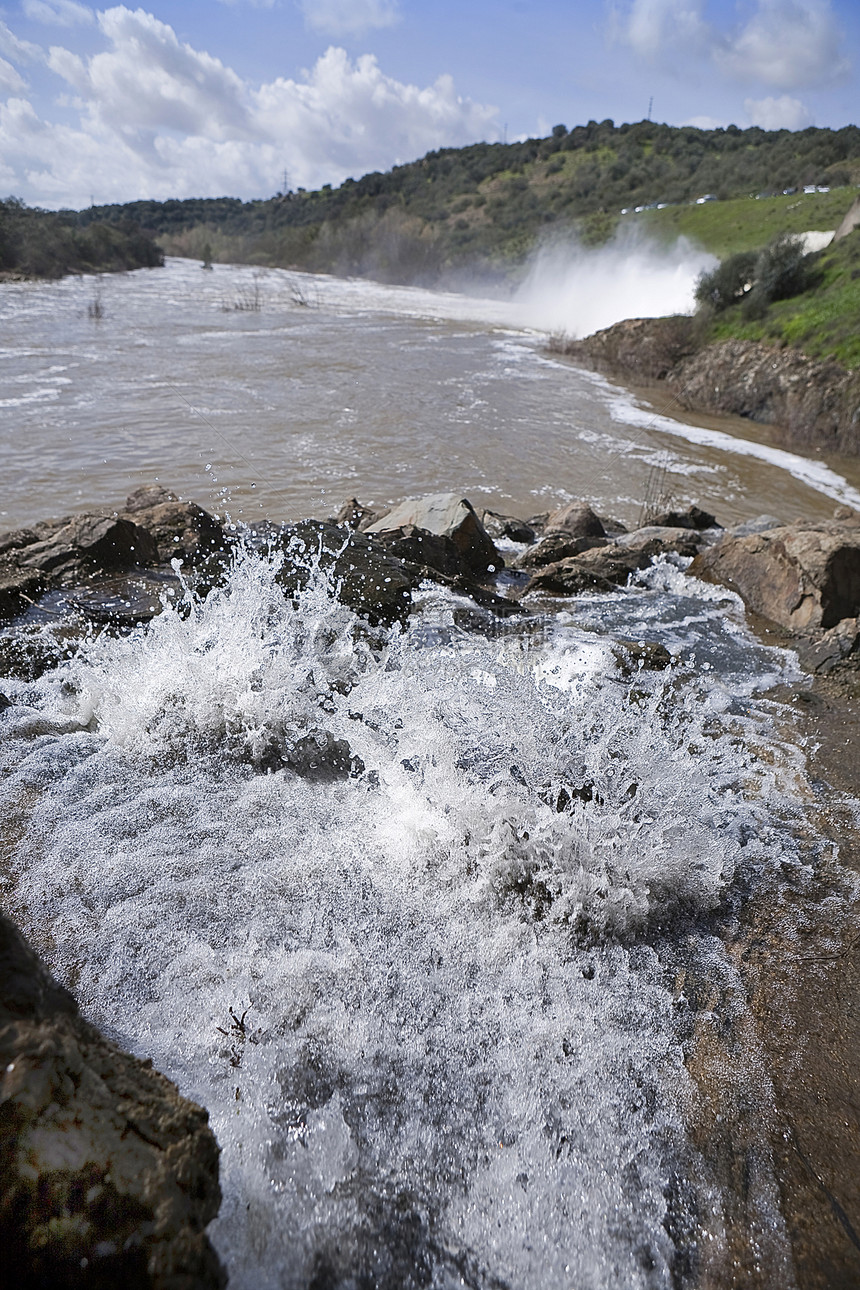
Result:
[
  {"x": 180, "y": 530},
  {"x": 577, "y": 519},
  {"x": 448, "y": 515},
  {"x": 87, "y": 544},
  {"x": 107, "y": 1176},
  {"x": 802, "y": 576}
]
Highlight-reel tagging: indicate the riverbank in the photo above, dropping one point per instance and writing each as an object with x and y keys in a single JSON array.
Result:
[{"x": 811, "y": 404}]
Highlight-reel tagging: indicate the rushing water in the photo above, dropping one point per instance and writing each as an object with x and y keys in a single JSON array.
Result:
[{"x": 436, "y": 1007}]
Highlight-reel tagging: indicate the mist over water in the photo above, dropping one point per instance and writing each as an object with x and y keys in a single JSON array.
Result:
[{"x": 577, "y": 290}]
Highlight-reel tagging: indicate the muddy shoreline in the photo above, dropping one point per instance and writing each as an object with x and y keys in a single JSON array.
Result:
[{"x": 805, "y": 1002}]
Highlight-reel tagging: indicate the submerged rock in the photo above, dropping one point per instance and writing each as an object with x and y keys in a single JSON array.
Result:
[
  {"x": 656, "y": 539},
  {"x": 107, "y": 1176},
  {"x": 692, "y": 518},
  {"x": 448, "y": 515},
  {"x": 803, "y": 576}
]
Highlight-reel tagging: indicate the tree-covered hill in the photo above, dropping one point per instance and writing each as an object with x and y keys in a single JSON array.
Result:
[
  {"x": 47, "y": 244},
  {"x": 479, "y": 209}
]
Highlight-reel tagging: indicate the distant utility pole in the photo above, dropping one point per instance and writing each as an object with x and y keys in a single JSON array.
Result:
[
  {"x": 286, "y": 187},
  {"x": 650, "y": 105}
]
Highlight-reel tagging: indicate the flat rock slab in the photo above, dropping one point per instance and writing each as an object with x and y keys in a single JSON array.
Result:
[
  {"x": 802, "y": 576},
  {"x": 599, "y": 569},
  {"x": 107, "y": 1176}
]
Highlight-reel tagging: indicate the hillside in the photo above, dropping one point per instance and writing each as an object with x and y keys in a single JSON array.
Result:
[
  {"x": 45, "y": 244},
  {"x": 477, "y": 211}
]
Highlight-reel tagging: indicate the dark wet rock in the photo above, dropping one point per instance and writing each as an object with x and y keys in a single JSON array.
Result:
[
  {"x": 5, "y": 702},
  {"x": 372, "y": 583},
  {"x": 656, "y": 539},
  {"x": 107, "y": 1176},
  {"x": 354, "y": 515},
  {"x": 179, "y": 530},
  {"x": 434, "y": 552},
  {"x": 313, "y": 754},
  {"x": 28, "y": 652},
  {"x": 634, "y": 656},
  {"x": 576, "y": 519},
  {"x": 508, "y": 526},
  {"x": 802, "y": 577},
  {"x": 692, "y": 518},
  {"x": 452, "y": 516},
  {"x": 126, "y": 600},
  {"x": 599, "y": 569},
  {"x": 538, "y": 522},
  {"x": 88, "y": 544},
  {"x": 841, "y": 644},
  {"x": 19, "y": 588},
  {"x": 612, "y": 527},
  {"x": 553, "y": 547}
]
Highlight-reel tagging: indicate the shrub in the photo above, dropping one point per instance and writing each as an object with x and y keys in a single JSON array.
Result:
[{"x": 728, "y": 282}]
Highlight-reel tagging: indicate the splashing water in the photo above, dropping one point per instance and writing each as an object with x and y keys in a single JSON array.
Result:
[
  {"x": 576, "y": 290},
  {"x": 404, "y": 912}
]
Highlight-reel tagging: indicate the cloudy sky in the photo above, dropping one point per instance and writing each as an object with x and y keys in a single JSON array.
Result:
[{"x": 212, "y": 97}]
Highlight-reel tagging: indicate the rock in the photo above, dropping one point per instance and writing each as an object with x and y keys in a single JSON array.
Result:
[
  {"x": 803, "y": 576},
  {"x": 355, "y": 516},
  {"x": 577, "y": 519},
  {"x": 635, "y": 656},
  {"x": 834, "y": 647},
  {"x": 374, "y": 584},
  {"x": 507, "y": 526},
  {"x": 88, "y": 544},
  {"x": 19, "y": 588},
  {"x": 180, "y": 530},
  {"x": 691, "y": 518},
  {"x": 655, "y": 539},
  {"x": 599, "y": 569},
  {"x": 107, "y": 1176},
  {"x": 29, "y": 652},
  {"x": 554, "y": 547},
  {"x": 760, "y": 524},
  {"x": 433, "y": 552},
  {"x": 452, "y": 516},
  {"x": 126, "y": 600}
]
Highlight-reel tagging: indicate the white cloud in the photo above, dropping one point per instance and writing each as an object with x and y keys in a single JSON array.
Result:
[
  {"x": 349, "y": 17},
  {"x": 58, "y": 13},
  {"x": 21, "y": 50},
  {"x": 781, "y": 113},
  {"x": 706, "y": 122},
  {"x": 11, "y": 79},
  {"x": 656, "y": 29},
  {"x": 789, "y": 44},
  {"x": 158, "y": 118},
  {"x": 785, "y": 44}
]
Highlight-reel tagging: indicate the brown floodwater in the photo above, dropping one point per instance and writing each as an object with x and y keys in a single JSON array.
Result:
[{"x": 283, "y": 394}]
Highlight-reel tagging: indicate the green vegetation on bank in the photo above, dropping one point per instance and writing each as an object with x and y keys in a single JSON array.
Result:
[
  {"x": 822, "y": 317},
  {"x": 48, "y": 244},
  {"x": 479, "y": 210}
]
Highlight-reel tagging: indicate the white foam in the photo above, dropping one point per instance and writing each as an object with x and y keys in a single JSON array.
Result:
[{"x": 453, "y": 1038}]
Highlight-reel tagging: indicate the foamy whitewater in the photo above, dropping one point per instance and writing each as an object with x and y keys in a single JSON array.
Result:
[
  {"x": 410, "y": 912},
  {"x": 430, "y": 1005}
]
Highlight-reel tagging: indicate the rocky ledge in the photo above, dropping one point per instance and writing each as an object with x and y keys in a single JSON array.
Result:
[
  {"x": 811, "y": 403},
  {"x": 107, "y": 1176}
]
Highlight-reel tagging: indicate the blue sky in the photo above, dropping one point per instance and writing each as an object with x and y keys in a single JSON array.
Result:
[{"x": 211, "y": 97}]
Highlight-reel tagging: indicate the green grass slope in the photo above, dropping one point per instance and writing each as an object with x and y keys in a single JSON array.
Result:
[{"x": 823, "y": 321}]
